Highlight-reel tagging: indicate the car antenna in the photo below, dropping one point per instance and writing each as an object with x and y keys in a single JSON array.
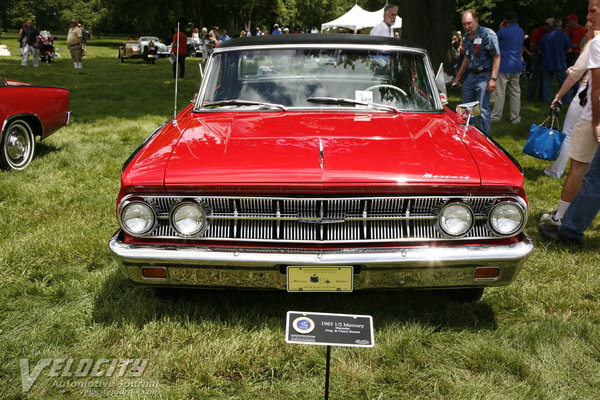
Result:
[{"x": 176, "y": 75}]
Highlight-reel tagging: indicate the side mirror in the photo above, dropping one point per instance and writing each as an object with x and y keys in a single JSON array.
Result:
[{"x": 467, "y": 110}]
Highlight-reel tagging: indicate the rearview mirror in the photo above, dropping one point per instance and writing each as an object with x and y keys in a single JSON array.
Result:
[{"x": 467, "y": 110}]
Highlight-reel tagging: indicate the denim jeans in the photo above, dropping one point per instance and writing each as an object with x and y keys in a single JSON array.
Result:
[
  {"x": 475, "y": 89},
  {"x": 585, "y": 205},
  {"x": 547, "y": 86},
  {"x": 29, "y": 49}
]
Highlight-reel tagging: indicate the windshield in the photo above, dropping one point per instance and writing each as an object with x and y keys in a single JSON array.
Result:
[
  {"x": 149, "y": 39},
  {"x": 295, "y": 77}
]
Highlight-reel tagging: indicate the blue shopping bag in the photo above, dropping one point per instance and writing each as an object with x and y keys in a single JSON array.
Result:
[{"x": 544, "y": 141}]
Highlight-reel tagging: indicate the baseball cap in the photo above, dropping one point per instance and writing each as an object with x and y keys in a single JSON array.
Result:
[{"x": 571, "y": 17}]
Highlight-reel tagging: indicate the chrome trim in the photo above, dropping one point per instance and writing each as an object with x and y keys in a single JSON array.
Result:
[
  {"x": 16, "y": 116},
  {"x": 296, "y": 219},
  {"x": 468, "y": 208},
  {"x": 400, "y": 267},
  {"x": 176, "y": 206},
  {"x": 321, "y": 154},
  {"x": 520, "y": 228},
  {"x": 149, "y": 205}
]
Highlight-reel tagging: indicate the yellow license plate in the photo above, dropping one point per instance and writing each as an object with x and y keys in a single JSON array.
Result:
[{"x": 319, "y": 279}]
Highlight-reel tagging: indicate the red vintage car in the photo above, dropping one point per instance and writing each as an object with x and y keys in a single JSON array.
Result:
[
  {"x": 28, "y": 111},
  {"x": 321, "y": 163}
]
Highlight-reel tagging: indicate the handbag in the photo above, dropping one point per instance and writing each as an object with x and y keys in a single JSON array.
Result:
[{"x": 544, "y": 141}]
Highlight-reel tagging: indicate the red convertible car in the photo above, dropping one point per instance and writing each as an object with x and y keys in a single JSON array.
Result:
[
  {"x": 26, "y": 112},
  {"x": 315, "y": 163}
]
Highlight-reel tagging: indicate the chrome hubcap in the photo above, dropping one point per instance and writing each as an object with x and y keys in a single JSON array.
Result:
[{"x": 17, "y": 145}]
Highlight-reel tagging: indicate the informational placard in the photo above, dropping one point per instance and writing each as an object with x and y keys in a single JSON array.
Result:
[{"x": 329, "y": 329}]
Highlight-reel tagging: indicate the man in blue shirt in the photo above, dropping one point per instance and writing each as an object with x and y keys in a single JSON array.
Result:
[
  {"x": 482, "y": 59},
  {"x": 554, "y": 46},
  {"x": 510, "y": 39}
]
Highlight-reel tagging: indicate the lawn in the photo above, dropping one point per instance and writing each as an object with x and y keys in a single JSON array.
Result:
[{"x": 62, "y": 296}]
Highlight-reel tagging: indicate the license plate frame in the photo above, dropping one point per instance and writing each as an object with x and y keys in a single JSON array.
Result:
[{"x": 330, "y": 279}]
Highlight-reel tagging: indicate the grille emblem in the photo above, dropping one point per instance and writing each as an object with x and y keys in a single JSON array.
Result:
[{"x": 321, "y": 221}]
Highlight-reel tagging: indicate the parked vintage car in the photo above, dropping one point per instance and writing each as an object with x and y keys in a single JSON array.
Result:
[
  {"x": 148, "y": 48},
  {"x": 321, "y": 163},
  {"x": 27, "y": 111}
]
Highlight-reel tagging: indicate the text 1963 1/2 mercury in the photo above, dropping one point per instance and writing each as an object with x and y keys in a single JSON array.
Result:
[
  {"x": 317, "y": 163},
  {"x": 27, "y": 111}
]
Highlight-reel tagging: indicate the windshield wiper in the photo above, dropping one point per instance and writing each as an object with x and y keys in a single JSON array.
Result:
[
  {"x": 343, "y": 100},
  {"x": 239, "y": 102}
]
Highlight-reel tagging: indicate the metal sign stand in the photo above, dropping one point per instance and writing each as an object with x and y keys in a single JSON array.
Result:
[{"x": 327, "y": 373}]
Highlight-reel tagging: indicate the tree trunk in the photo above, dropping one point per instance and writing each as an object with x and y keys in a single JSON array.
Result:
[{"x": 429, "y": 24}]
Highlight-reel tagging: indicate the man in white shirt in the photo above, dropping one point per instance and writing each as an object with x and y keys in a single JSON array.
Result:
[{"x": 384, "y": 28}]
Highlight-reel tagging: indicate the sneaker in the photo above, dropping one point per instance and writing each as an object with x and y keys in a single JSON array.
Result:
[
  {"x": 550, "y": 219},
  {"x": 551, "y": 233}
]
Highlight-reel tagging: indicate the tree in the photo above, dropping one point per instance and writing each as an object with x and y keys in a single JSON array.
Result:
[{"x": 429, "y": 24}]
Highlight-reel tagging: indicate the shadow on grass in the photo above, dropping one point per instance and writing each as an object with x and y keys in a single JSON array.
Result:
[
  {"x": 122, "y": 302},
  {"x": 42, "y": 149}
]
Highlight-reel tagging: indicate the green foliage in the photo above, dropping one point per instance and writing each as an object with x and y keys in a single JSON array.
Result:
[
  {"x": 531, "y": 13},
  {"x": 90, "y": 13}
]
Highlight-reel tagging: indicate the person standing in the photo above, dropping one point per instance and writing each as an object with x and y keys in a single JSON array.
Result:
[
  {"x": 510, "y": 39},
  {"x": 482, "y": 59},
  {"x": 223, "y": 37},
  {"x": 31, "y": 42},
  {"x": 535, "y": 58},
  {"x": 179, "y": 50},
  {"x": 23, "y": 27},
  {"x": 554, "y": 46},
  {"x": 577, "y": 74},
  {"x": 384, "y": 28},
  {"x": 576, "y": 33},
  {"x": 586, "y": 204},
  {"x": 276, "y": 30},
  {"x": 75, "y": 44}
]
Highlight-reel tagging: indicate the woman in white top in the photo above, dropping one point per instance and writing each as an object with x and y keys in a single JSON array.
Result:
[{"x": 576, "y": 73}]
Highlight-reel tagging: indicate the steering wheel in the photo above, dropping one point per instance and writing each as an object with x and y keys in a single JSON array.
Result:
[{"x": 387, "y": 86}]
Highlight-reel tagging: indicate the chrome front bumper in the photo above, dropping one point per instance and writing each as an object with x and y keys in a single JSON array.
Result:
[{"x": 375, "y": 268}]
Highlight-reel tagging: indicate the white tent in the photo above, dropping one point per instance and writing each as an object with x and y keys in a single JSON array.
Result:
[{"x": 358, "y": 18}]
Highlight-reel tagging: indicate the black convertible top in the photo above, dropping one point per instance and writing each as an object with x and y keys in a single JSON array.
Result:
[{"x": 303, "y": 38}]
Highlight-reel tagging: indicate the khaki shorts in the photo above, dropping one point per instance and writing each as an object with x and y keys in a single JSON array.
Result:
[
  {"x": 76, "y": 52},
  {"x": 583, "y": 142}
]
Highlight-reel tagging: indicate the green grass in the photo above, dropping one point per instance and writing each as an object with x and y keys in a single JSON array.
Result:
[{"x": 62, "y": 296}]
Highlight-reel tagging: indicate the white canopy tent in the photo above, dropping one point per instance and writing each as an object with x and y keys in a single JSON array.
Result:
[{"x": 358, "y": 18}]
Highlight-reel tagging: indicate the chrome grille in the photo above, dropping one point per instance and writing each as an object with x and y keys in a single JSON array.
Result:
[{"x": 324, "y": 220}]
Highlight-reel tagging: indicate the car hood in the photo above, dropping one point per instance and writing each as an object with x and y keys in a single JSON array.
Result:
[{"x": 320, "y": 148}]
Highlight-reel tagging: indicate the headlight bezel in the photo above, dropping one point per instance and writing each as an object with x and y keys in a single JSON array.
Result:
[
  {"x": 130, "y": 203},
  {"x": 187, "y": 202},
  {"x": 522, "y": 212},
  {"x": 444, "y": 230}
]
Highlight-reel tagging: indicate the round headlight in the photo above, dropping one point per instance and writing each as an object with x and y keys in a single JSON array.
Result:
[
  {"x": 188, "y": 218},
  {"x": 137, "y": 218},
  {"x": 456, "y": 219},
  {"x": 507, "y": 218}
]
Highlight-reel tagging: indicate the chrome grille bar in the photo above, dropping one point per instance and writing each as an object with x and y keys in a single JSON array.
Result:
[{"x": 323, "y": 220}]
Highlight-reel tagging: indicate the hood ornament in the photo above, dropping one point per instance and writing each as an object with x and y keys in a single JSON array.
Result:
[{"x": 321, "y": 155}]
